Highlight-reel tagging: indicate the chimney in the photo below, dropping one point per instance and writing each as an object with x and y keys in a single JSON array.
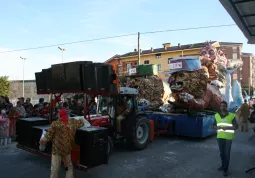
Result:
[
  {"x": 151, "y": 48},
  {"x": 135, "y": 50},
  {"x": 167, "y": 45},
  {"x": 179, "y": 45}
]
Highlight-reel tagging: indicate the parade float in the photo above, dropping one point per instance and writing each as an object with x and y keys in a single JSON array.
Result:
[
  {"x": 153, "y": 91},
  {"x": 198, "y": 85}
]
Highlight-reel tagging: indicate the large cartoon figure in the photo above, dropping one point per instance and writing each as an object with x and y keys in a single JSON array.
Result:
[
  {"x": 209, "y": 59},
  {"x": 189, "y": 84}
]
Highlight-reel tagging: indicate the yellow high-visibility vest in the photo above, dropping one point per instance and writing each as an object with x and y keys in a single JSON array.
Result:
[{"x": 225, "y": 122}]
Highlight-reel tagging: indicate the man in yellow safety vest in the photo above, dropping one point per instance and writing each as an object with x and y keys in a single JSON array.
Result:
[{"x": 225, "y": 123}]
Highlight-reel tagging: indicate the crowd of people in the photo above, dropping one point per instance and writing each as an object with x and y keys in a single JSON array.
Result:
[{"x": 24, "y": 109}]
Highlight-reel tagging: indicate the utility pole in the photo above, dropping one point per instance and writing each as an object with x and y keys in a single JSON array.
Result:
[
  {"x": 139, "y": 53},
  {"x": 23, "y": 90},
  {"x": 62, "y": 53}
]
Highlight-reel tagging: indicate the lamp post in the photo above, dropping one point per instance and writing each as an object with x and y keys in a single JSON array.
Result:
[
  {"x": 24, "y": 59},
  {"x": 62, "y": 52}
]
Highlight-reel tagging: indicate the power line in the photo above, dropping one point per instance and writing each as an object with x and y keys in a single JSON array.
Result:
[
  {"x": 185, "y": 29},
  {"x": 118, "y": 36}
]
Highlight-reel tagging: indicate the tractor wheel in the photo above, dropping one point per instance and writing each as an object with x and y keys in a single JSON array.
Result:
[
  {"x": 140, "y": 133},
  {"x": 110, "y": 145}
]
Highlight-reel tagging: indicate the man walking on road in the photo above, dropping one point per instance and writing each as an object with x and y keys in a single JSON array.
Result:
[
  {"x": 244, "y": 113},
  {"x": 62, "y": 133},
  {"x": 225, "y": 123}
]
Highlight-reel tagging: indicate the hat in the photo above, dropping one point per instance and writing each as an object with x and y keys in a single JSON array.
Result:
[
  {"x": 62, "y": 112},
  {"x": 188, "y": 63}
]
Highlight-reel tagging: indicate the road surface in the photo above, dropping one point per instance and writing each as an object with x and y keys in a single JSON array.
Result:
[{"x": 165, "y": 157}]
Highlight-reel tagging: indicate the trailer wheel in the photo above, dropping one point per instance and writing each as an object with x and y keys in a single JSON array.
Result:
[
  {"x": 140, "y": 133},
  {"x": 110, "y": 145}
]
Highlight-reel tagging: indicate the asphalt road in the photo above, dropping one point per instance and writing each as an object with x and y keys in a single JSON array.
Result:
[{"x": 165, "y": 157}]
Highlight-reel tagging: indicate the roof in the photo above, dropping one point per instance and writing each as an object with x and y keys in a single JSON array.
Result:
[
  {"x": 243, "y": 13},
  {"x": 160, "y": 50},
  {"x": 173, "y": 48},
  {"x": 229, "y": 43},
  {"x": 248, "y": 54},
  {"x": 19, "y": 81},
  {"x": 115, "y": 56}
]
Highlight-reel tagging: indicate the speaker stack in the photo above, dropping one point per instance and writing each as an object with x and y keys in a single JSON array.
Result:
[
  {"x": 37, "y": 133},
  {"x": 74, "y": 75},
  {"x": 81, "y": 76},
  {"x": 40, "y": 83},
  {"x": 93, "y": 143},
  {"x": 24, "y": 131}
]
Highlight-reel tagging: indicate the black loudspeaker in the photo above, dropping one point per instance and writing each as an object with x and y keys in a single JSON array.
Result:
[
  {"x": 103, "y": 80},
  {"x": 89, "y": 78},
  {"x": 47, "y": 79},
  {"x": 24, "y": 129},
  {"x": 93, "y": 143},
  {"x": 37, "y": 133},
  {"x": 40, "y": 82},
  {"x": 58, "y": 77},
  {"x": 74, "y": 75}
]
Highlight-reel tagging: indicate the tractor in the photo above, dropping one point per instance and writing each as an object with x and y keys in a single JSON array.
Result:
[
  {"x": 97, "y": 82},
  {"x": 133, "y": 127}
]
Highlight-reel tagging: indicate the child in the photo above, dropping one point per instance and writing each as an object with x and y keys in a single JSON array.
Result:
[{"x": 4, "y": 124}]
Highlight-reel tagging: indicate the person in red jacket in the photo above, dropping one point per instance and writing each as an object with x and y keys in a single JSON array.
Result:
[
  {"x": 45, "y": 111},
  {"x": 13, "y": 117}
]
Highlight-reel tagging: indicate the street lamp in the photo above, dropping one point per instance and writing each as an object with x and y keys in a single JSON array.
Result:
[
  {"x": 62, "y": 51},
  {"x": 24, "y": 59}
]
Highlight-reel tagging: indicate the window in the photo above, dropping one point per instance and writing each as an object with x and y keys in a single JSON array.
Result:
[
  {"x": 159, "y": 67},
  {"x": 158, "y": 56},
  {"x": 104, "y": 104},
  {"x": 169, "y": 60},
  {"x": 129, "y": 67},
  {"x": 234, "y": 56},
  {"x": 146, "y": 62},
  {"x": 234, "y": 49}
]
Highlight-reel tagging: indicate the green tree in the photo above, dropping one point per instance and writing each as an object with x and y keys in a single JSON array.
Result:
[{"x": 4, "y": 86}]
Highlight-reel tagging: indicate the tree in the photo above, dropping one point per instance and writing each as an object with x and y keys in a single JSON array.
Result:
[{"x": 4, "y": 86}]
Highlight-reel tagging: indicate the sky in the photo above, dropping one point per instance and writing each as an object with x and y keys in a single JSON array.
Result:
[{"x": 29, "y": 24}]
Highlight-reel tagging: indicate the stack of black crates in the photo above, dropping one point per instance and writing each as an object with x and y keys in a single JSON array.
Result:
[{"x": 81, "y": 76}]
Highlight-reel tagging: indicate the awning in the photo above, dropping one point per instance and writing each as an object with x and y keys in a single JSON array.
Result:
[{"x": 243, "y": 13}]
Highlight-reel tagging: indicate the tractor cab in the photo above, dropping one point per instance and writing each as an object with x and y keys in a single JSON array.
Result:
[
  {"x": 125, "y": 121},
  {"x": 111, "y": 104}
]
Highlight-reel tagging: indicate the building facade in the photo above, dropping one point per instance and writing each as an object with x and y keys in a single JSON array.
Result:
[
  {"x": 162, "y": 56},
  {"x": 233, "y": 52},
  {"x": 248, "y": 72},
  {"x": 30, "y": 91}
]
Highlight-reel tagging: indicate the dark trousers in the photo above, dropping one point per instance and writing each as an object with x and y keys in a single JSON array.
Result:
[{"x": 225, "y": 149}]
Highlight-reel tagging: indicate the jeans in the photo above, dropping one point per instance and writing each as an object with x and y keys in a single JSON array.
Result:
[{"x": 225, "y": 149}]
